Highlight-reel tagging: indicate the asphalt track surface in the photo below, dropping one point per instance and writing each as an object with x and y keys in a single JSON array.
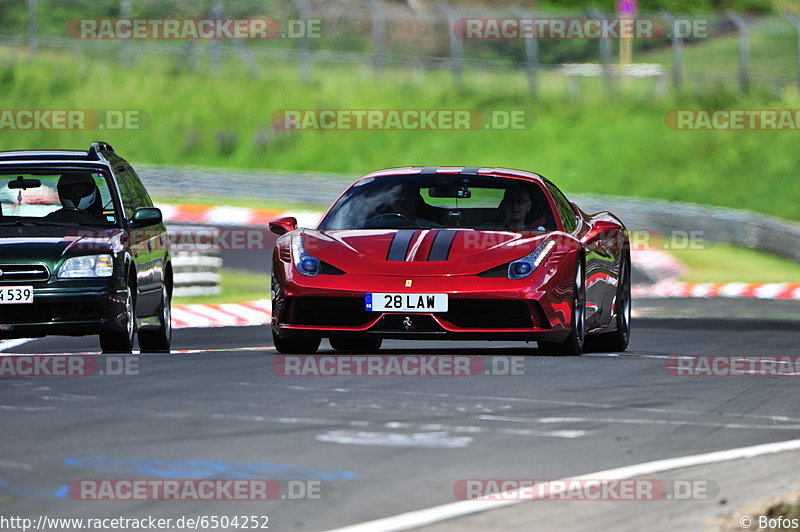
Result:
[{"x": 384, "y": 445}]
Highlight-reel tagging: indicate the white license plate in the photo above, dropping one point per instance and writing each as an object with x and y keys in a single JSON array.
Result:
[
  {"x": 406, "y": 302},
  {"x": 16, "y": 294}
]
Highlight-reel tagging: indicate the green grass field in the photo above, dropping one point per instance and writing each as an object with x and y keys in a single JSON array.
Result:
[{"x": 618, "y": 146}]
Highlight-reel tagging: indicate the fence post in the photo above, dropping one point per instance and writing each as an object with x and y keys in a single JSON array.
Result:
[
  {"x": 216, "y": 12},
  {"x": 605, "y": 54},
  {"x": 677, "y": 49},
  {"x": 124, "y": 45},
  {"x": 305, "y": 49},
  {"x": 531, "y": 55},
  {"x": 744, "y": 49},
  {"x": 32, "y": 37},
  {"x": 378, "y": 30},
  {"x": 796, "y": 21},
  {"x": 456, "y": 45}
]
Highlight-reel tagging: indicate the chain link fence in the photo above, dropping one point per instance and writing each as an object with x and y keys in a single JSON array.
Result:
[{"x": 380, "y": 34}]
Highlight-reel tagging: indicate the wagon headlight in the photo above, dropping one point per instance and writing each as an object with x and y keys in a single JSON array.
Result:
[
  {"x": 304, "y": 262},
  {"x": 523, "y": 267},
  {"x": 87, "y": 266}
]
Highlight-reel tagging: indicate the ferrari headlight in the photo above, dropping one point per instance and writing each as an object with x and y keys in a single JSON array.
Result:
[
  {"x": 523, "y": 267},
  {"x": 304, "y": 262},
  {"x": 87, "y": 266}
]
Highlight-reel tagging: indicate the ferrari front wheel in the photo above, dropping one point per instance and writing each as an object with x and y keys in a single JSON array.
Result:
[
  {"x": 295, "y": 346},
  {"x": 573, "y": 344},
  {"x": 617, "y": 341}
]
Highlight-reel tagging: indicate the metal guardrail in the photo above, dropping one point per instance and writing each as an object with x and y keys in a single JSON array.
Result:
[
  {"x": 313, "y": 188},
  {"x": 195, "y": 272},
  {"x": 713, "y": 224}
]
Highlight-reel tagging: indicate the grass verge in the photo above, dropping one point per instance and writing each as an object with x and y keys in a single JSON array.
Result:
[{"x": 723, "y": 263}]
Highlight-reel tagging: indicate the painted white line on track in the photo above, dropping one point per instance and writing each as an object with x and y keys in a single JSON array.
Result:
[
  {"x": 636, "y": 421},
  {"x": 16, "y": 342},
  {"x": 418, "y": 518}
]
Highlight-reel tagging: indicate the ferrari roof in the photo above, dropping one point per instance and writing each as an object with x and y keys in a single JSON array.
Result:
[{"x": 466, "y": 170}]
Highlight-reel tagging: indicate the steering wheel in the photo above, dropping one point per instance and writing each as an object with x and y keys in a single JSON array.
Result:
[{"x": 392, "y": 219}]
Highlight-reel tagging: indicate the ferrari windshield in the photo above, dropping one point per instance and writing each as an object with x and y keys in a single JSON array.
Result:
[
  {"x": 54, "y": 197},
  {"x": 442, "y": 201}
]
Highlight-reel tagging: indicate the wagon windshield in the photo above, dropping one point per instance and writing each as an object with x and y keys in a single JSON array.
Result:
[
  {"x": 442, "y": 201},
  {"x": 53, "y": 197}
]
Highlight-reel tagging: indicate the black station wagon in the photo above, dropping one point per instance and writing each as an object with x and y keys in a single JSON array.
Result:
[{"x": 82, "y": 250}]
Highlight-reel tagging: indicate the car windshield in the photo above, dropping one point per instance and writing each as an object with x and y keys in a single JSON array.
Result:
[
  {"x": 442, "y": 201},
  {"x": 53, "y": 197}
]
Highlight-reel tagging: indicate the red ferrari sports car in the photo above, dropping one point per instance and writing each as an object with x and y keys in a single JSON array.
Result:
[{"x": 452, "y": 253}]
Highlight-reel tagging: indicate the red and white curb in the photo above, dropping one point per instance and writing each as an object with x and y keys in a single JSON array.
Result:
[
  {"x": 222, "y": 314},
  {"x": 708, "y": 290}
]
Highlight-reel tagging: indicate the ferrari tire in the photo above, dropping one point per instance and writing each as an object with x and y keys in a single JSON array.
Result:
[
  {"x": 357, "y": 345},
  {"x": 295, "y": 346},
  {"x": 573, "y": 344},
  {"x": 617, "y": 341},
  {"x": 122, "y": 341},
  {"x": 159, "y": 340}
]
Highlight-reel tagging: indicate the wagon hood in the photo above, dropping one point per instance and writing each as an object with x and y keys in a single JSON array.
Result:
[
  {"x": 49, "y": 244},
  {"x": 418, "y": 252}
]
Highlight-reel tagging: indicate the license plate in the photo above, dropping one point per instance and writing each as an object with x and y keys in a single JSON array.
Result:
[
  {"x": 406, "y": 302},
  {"x": 15, "y": 295}
]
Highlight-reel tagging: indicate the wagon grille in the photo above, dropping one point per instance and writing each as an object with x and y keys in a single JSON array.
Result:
[{"x": 23, "y": 273}]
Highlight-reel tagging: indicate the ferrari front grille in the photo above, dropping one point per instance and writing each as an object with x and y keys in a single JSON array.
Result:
[
  {"x": 327, "y": 311},
  {"x": 489, "y": 314}
]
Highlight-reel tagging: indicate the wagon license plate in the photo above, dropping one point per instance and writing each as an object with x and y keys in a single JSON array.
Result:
[
  {"x": 406, "y": 302},
  {"x": 15, "y": 295}
]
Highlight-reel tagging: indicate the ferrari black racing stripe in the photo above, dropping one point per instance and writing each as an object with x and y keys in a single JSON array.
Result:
[
  {"x": 440, "y": 249},
  {"x": 399, "y": 246}
]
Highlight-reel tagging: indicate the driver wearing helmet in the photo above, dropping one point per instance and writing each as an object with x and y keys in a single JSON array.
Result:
[{"x": 78, "y": 191}]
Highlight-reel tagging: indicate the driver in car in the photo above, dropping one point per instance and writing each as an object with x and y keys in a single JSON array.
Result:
[
  {"x": 406, "y": 201},
  {"x": 515, "y": 209},
  {"x": 78, "y": 191}
]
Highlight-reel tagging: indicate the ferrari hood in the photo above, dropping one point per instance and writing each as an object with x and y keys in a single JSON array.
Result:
[{"x": 418, "y": 252}]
